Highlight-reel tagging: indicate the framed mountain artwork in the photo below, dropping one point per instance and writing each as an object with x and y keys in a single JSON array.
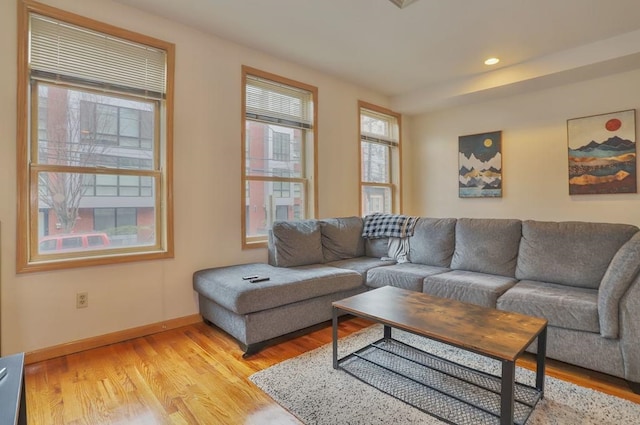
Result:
[
  {"x": 602, "y": 153},
  {"x": 480, "y": 165}
]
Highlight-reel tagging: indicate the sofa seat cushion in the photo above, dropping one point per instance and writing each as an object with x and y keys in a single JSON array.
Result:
[
  {"x": 563, "y": 306},
  {"x": 471, "y": 287},
  {"x": 405, "y": 275},
  {"x": 569, "y": 253},
  {"x": 225, "y": 285},
  {"x": 360, "y": 264},
  {"x": 487, "y": 245}
]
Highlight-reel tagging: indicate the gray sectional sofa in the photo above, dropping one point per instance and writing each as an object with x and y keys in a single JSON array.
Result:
[{"x": 582, "y": 277}]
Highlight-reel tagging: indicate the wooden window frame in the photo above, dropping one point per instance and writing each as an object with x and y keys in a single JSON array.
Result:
[
  {"x": 27, "y": 186},
  {"x": 310, "y": 178},
  {"x": 395, "y": 164}
]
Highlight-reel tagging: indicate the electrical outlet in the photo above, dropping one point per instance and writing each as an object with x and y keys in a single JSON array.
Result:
[{"x": 82, "y": 299}]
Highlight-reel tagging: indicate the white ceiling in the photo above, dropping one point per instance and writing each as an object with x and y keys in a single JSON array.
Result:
[{"x": 430, "y": 53}]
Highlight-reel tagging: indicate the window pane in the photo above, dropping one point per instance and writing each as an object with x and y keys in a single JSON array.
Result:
[
  {"x": 104, "y": 118},
  {"x": 99, "y": 106},
  {"x": 129, "y": 181},
  {"x": 283, "y": 212},
  {"x": 89, "y": 185},
  {"x": 48, "y": 245},
  {"x": 72, "y": 242},
  {"x": 106, "y": 180},
  {"x": 281, "y": 146},
  {"x": 129, "y": 142},
  {"x": 85, "y": 129},
  {"x": 146, "y": 124},
  {"x": 376, "y": 199},
  {"x": 97, "y": 240},
  {"x": 270, "y": 147},
  {"x": 375, "y": 163},
  {"x": 67, "y": 211},
  {"x": 263, "y": 206},
  {"x": 104, "y": 218},
  {"x": 126, "y": 216},
  {"x": 129, "y": 191},
  {"x": 373, "y": 125},
  {"x": 112, "y": 185},
  {"x": 106, "y": 191},
  {"x": 129, "y": 122}
]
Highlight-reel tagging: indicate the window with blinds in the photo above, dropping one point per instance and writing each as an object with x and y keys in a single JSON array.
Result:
[
  {"x": 379, "y": 160},
  {"x": 96, "y": 138},
  {"x": 377, "y": 127},
  {"x": 62, "y": 52},
  {"x": 279, "y": 146},
  {"x": 272, "y": 102}
]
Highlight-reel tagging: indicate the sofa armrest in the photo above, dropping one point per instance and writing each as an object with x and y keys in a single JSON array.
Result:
[
  {"x": 630, "y": 331},
  {"x": 622, "y": 271}
]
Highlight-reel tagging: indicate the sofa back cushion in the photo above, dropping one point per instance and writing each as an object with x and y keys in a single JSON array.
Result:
[
  {"x": 569, "y": 253},
  {"x": 295, "y": 243},
  {"x": 623, "y": 269},
  {"x": 342, "y": 238},
  {"x": 487, "y": 245},
  {"x": 376, "y": 248},
  {"x": 433, "y": 241}
]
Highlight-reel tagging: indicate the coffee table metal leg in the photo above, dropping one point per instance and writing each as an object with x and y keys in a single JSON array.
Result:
[
  {"x": 387, "y": 332},
  {"x": 335, "y": 337},
  {"x": 540, "y": 361},
  {"x": 506, "y": 397}
]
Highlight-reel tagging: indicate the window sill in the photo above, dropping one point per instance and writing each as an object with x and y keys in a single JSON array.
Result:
[{"x": 61, "y": 264}]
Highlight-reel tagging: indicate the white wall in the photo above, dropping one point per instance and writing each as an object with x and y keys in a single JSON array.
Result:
[
  {"x": 534, "y": 155},
  {"x": 38, "y": 309}
]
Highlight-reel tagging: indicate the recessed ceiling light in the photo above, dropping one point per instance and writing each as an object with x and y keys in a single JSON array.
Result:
[{"x": 491, "y": 61}]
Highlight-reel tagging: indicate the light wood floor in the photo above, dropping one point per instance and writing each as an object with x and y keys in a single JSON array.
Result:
[{"x": 192, "y": 375}]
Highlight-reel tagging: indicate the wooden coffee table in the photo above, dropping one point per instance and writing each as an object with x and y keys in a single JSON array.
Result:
[{"x": 497, "y": 334}]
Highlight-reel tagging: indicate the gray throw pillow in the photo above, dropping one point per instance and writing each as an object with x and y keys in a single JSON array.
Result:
[{"x": 296, "y": 243}]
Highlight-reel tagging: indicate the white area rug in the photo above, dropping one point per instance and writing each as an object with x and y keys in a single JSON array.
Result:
[{"x": 313, "y": 391}]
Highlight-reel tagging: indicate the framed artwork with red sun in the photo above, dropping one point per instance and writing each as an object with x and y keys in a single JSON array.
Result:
[{"x": 602, "y": 153}]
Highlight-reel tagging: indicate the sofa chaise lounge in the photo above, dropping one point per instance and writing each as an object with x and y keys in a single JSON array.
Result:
[{"x": 582, "y": 277}]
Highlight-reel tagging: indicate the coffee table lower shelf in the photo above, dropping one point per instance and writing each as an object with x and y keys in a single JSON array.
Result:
[{"x": 449, "y": 391}]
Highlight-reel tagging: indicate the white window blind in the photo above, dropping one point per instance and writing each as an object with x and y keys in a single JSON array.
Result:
[
  {"x": 63, "y": 52},
  {"x": 380, "y": 128},
  {"x": 273, "y": 102}
]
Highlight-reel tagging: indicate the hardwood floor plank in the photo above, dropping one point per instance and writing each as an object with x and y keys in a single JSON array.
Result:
[{"x": 193, "y": 375}]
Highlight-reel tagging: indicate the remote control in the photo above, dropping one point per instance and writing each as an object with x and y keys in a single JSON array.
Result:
[
  {"x": 255, "y": 276},
  {"x": 3, "y": 372},
  {"x": 259, "y": 279}
]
